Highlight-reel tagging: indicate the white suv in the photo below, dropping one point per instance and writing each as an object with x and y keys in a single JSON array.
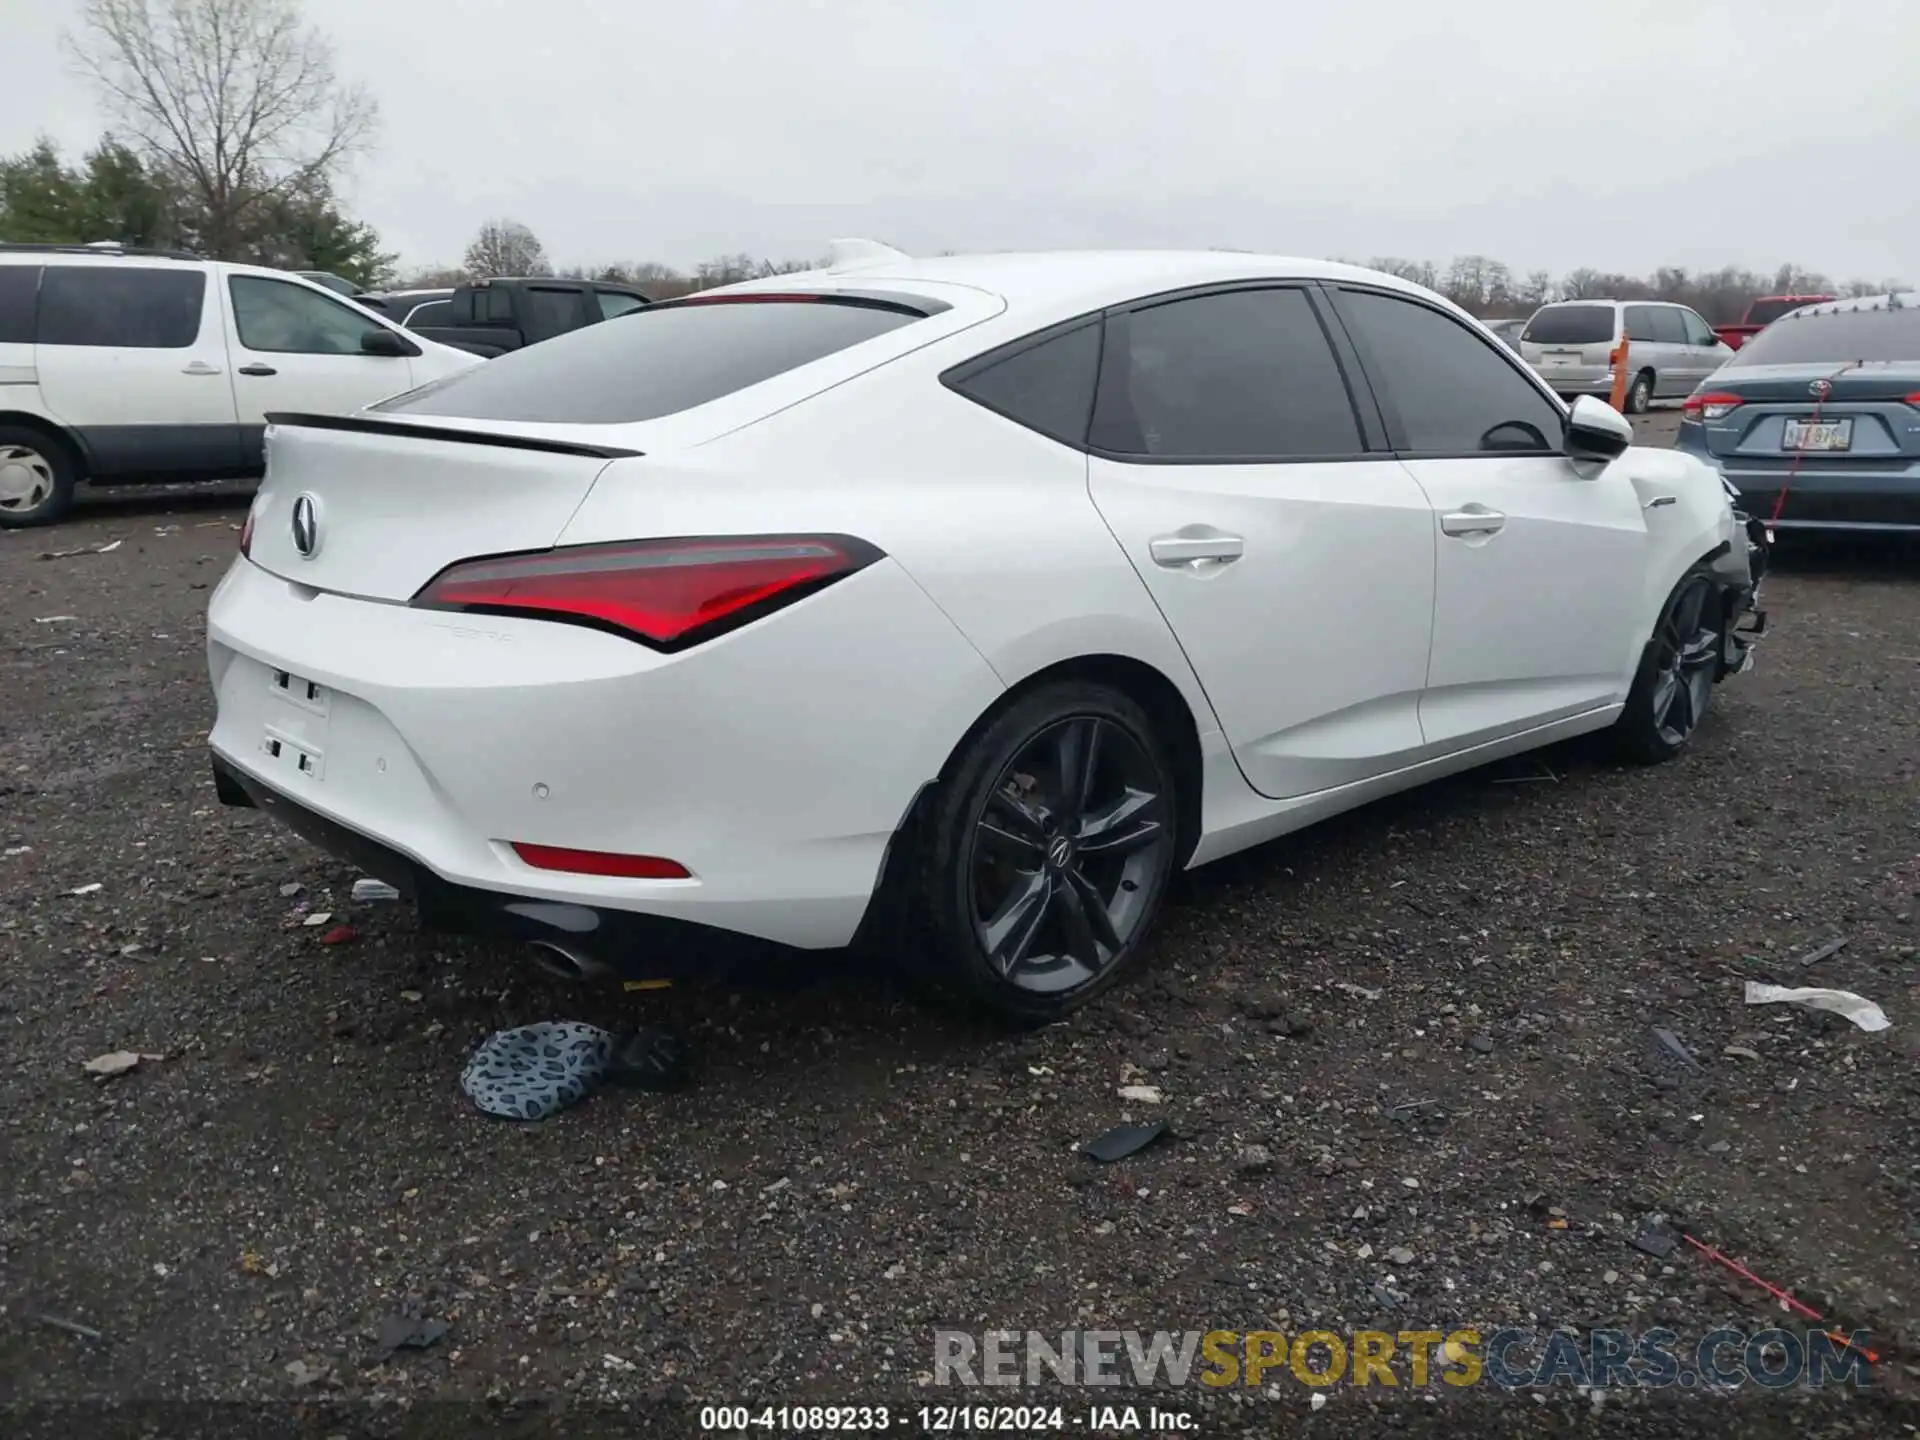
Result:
[{"x": 120, "y": 366}]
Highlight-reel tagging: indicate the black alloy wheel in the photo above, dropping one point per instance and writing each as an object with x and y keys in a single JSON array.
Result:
[{"x": 1053, "y": 844}]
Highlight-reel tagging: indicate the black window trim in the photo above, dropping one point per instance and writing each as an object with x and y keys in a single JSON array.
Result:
[
  {"x": 955, "y": 377},
  {"x": 1396, "y": 430}
]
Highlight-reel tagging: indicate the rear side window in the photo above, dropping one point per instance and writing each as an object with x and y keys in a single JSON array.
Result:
[
  {"x": 19, "y": 291},
  {"x": 1668, "y": 326},
  {"x": 1641, "y": 324},
  {"x": 549, "y": 310},
  {"x": 1046, "y": 387},
  {"x": 128, "y": 307},
  {"x": 1247, "y": 375},
  {"x": 1835, "y": 339},
  {"x": 1454, "y": 393},
  {"x": 657, "y": 361},
  {"x": 1570, "y": 325}
]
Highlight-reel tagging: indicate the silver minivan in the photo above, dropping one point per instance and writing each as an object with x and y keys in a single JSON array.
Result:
[{"x": 1670, "y": 349}]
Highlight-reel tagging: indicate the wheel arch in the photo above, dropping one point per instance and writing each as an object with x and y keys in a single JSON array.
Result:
[
  {"x": 54, "y": 431},
  {"x": 1144, "y": 684}
]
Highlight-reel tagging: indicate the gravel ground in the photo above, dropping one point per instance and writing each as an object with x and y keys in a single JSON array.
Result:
[{"x": 1397, "y": 1053}]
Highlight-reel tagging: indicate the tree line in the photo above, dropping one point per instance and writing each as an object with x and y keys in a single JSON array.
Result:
[{"x": 230, "y": 134}]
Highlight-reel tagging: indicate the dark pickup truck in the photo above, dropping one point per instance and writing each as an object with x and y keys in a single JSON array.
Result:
[{"x": 491, "y": 317}]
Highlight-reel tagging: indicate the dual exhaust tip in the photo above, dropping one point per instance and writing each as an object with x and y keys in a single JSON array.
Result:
[{"x": 564, "y": 964}]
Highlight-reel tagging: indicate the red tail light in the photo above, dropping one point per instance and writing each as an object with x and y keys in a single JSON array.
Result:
[
  {"x": 1914, "y": 399},
  {"x": 668, "y": 594},
  {"x": 1710, "y": 406},
  {"x": 601, "y": 862}
]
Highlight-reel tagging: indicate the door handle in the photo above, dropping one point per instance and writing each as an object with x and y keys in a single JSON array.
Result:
[
  {"x": 1474, "y": 520},
  {"x": 258, "y": 369},
  {"x": 1657, "y": 501},
  {"x": 199, "y": 367},
  {"x": 1177, "y": 550}
]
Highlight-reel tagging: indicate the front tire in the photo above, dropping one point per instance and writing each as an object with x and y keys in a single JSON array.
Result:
[
  {"x": 36, "y": 478},
  {"x": 1678, "y": 670},
  {"x": 1048, "y": 849}
]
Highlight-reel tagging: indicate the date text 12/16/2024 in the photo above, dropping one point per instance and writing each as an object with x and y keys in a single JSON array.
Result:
[{"x": 942, "y": 1419}]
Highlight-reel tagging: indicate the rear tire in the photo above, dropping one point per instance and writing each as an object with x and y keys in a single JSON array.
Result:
[
  {"x": 1678, "y": 670},
  {"x": 1640, "y": 393},
  {"x": 37, "y": 476},
  {"x": 1046, "y": 852}
]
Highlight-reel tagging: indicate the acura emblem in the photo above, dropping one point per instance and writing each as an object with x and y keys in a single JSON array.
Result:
[
  {"x": 306, "y": 526},
  {"x": 1820, "y": 389},
  {"x": 1059, "y": 852}
]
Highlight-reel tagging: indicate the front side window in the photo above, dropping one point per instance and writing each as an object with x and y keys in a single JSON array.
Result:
[
  {"x": 132, "y": 307},
  {"x": 1453, "y": 392},
  {"x": 1244, "y": 375},
  {"x": 277, "y": 318}
]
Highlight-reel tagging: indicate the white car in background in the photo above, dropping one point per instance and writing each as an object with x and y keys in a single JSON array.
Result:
[
  {"x": 122, "y": 366},
  {"x": 973, "y": 596}
]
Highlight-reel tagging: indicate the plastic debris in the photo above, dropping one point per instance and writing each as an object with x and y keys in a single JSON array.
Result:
[
  {"x": 85, "y": 889},
  {"x": 72, "y": 1327},
  {"x": 367, "y": 888},
  {"x": 13, "y": 850},
  {"x": 1361, "y": 991},
  {"x": 340, "y": 935},
  {"x": 1653, "y": 1243},
  {"x": 52, "y": 619},
  {"x": 116, "y": 1062},
  {"x": 1142, "y": 1094},
  {"x": 319, "y": 917},
  {"x": 1826, "y": 951},
  {"x": 404, "y": 1332},
  {"x": 1673, "y": 1045},
  {"x": 108, "y": 548},
  {"x": 1857, "y": 1008},
  {"x": 1122, "y": 1141}
]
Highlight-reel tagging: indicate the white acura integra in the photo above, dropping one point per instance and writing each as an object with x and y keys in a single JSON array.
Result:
[{"x": 973, "y": 595}]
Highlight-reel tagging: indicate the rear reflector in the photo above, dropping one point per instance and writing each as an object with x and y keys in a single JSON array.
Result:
[
  {"x": 668, "y": 594},
  {"x": 1710, "y": 406},
  {"x": 601, "y": 862}
]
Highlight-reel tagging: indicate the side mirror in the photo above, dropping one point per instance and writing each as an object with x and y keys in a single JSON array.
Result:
[
  {"x": 382, "y": 341},
  {"x": 1596, "y": 431}
]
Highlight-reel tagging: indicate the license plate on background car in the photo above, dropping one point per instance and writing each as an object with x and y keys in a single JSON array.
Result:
[
  {"x": 1561, "y": 359},
  {"x": 1817, "y": 435}
]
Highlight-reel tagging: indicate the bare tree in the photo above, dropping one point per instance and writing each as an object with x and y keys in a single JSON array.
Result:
[
  {"x": 506, "y": 247},
  {"x": 237, "y": 100}
]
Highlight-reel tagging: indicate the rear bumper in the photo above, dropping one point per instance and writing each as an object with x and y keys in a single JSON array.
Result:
[
  {"x": 1867, "y": 501},
  {"x": 628, "y": 944},
  {"x": 774, "y": 764}
]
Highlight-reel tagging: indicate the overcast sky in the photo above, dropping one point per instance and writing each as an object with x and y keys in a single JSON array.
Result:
[{"x": 1622, "y": 134}]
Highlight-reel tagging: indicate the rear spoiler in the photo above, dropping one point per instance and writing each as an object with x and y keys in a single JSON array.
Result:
[{"x": 367, "y": 425}]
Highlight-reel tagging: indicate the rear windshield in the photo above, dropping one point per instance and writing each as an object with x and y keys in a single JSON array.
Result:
[
  {"x": 1849, "y": 335},
  {"x": 1570, "y": 325},
  {"x": 656, "y": 361},
  {"x": 1765, "y": 312}
]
